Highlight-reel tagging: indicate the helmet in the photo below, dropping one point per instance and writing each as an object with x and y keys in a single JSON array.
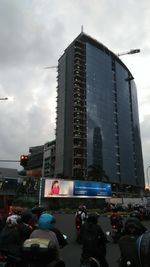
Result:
[
  {"x": 46, "y": 221},
  {"x": 83, "y": 207},
  {"x": 26, "y": 216},
  {"x": 93, "y": 218},
  {"x": 12, "y": 220},
  {"x": 135, "y": 214},
  {"x": 80, "y": 207},
  {"x": 134, "y": 226},
  {"x": 114, "y": 209}
]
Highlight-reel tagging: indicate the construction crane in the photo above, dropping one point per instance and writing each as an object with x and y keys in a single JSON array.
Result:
[
  {"x": 132, "y": 51},
  {"x": 10, "y": 98},
  {"x": 3, "y": 98},
  {"x": 51, "y": 67}
]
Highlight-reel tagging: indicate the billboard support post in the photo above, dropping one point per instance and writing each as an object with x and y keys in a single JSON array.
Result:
[{"x": 40, "y": 191}]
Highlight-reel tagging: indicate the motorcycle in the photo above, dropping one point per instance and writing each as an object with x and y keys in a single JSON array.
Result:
[
  {"x": 8, "y": 260},
  {"x": 78, "y": 228},
  {"x": 38, "y": 252},
  {"x": 116, "y": 233},
  {"x": 126, "y": 263},
  {"x": 3, "y": 259},
  {"x": 89, "y": 262}
]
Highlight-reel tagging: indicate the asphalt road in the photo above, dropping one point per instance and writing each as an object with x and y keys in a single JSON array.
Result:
[{"x": 71, "y": 253}]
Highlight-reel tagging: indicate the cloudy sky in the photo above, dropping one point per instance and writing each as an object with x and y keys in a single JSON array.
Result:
[{"x": 34, "y": 34}]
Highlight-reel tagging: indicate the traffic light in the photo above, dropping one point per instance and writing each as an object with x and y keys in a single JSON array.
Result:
[{"x": 24, "y": 160}]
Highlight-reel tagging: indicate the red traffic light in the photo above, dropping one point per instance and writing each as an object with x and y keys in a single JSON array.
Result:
[{"x": 24, "y": 160}]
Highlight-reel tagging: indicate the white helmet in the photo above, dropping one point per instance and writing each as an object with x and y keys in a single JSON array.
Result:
[{"x": 12, "y": 220}]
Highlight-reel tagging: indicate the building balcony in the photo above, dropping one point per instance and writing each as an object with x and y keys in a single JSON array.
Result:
[
  {"x": 80, "y": 90},
  {"x": 79, "y": 122},
  {"x": 79, "y": 156},
  {"x": 79, "y": 66},
  {"x": 78, "y": 166},
  {"x": 79, "y": 75},
  {"x": 79, "y": 81},
  {"x": 79, "y": 137},
  {"x": 79, "y": 129},
  {"x": 79, "y": 104},
  {"x": 79, "y": 56},
  {"x": 79, "y": 46},
  {"x": 79, "y": 94},
  {"x": 81, "y": 146}
]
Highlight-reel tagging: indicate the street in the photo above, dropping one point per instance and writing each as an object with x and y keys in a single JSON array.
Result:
[{"x": 71, "y": 253}]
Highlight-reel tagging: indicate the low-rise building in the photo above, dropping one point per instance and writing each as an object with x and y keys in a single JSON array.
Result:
[{"x": 49, "y": 159}]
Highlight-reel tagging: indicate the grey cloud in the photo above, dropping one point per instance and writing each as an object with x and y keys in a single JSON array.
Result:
[
  {"x": 34, "y": 34},
  {"x": 25, "y": 40}
]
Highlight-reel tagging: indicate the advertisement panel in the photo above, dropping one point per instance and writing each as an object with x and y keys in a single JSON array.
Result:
[
  {"x": 91, "y": 189},
  {"x": 65, "y": 188},
  {"x": 58, "y": 188}
]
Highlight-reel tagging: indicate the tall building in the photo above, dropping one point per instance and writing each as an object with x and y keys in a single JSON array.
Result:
[{"x": 97, "y": 124}]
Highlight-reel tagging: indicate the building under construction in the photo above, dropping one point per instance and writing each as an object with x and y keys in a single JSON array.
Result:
[{"x": 97, "y": 126}]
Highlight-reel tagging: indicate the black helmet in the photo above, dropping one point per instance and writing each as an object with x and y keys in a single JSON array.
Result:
[
  {"x": 134, "y": 226},
  {"x": 93, "y": 218},
  {"x": 135, "y": 214},
  {"x": 114, "y": 209},
  {"x": 26, "y": 216}
]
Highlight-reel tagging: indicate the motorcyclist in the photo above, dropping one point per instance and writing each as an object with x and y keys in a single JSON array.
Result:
[
  {"x": 38, "y": 210},
  {"x": 81, "y": 215},
  {"x": 10, "y": 241},
  {"x": 93, "y": 240},
  {"x": 2, "y": 222},
  {"x": 46, "y": 230},
  {"x": 136, "y": 214},
  {"x": 80, "y": 219},
  {"x": 116, "y": 220},
  {"x": 26, "y": 225},
  {"x": 60, "y": 237},
  {"x": 128, "y": 242},
  {"x": 143, "y": 244}
]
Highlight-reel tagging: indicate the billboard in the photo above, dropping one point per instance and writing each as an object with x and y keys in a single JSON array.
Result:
[{"x": 76, "y": 188}]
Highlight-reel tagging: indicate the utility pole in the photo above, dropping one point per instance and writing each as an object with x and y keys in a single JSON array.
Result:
[{"x": 147, "y": 177}]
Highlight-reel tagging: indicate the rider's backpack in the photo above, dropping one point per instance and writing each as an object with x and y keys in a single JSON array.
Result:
[
  {"x": 128, "y": 249},
  {"x": 91, "y": 240},
  {"x": 143, "y": 244}
]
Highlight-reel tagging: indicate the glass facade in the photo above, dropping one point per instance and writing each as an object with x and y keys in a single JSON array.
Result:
[{"x": 100, "y": 110}]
